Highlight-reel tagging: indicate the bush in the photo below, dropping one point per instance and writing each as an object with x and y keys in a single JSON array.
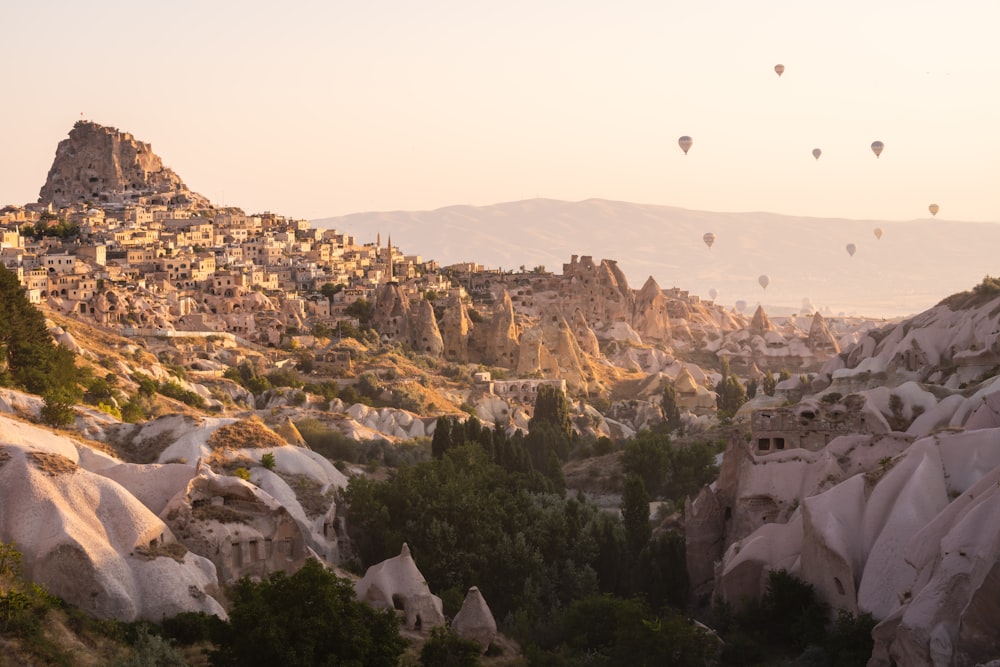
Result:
[
  {"x": 173, "y": 390},
  {"x": 309, "y": 618},
  {"x": 57, "y": 409},
  {"x": 444, "y": 648},
  {"x": 267, "y": 460}
]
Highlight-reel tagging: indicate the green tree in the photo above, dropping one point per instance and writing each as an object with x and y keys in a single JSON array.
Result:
[
  {"x": 329, "y": 290},
  {"x": 309, "y": 618},
  {"x": 29, "y": 358},
  {"x": 647, "y": 455},
  {"x": 441, "y": 441},
  {"x": 552, "y": 406},
  {"x": 671, "y": 411},
  {"x": 362, "y": 310},
  {"x": 444, "y": 648},
  {"x": 768, "y": 383},
  {"x": 730, "y": 394},
  {"x": 635, "y": 514}
]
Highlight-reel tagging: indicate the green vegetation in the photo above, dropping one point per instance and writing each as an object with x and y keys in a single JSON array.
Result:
[
  {"x": 787, "y": 622},
  {"x": 671, "y": 413},
  {"x": 605, "y": 630},
  {"x": 309, "y": 618},
  {"x": 668, "y": 471},
  {"x": 444, "y": 648},
  {"x": 984, "y": 292},
  {"x": 730, "y": 393}
]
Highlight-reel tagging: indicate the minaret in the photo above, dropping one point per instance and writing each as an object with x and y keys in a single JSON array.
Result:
[
  {"x": 390, "y": 258},
  {"x": 378, "y": 241}
]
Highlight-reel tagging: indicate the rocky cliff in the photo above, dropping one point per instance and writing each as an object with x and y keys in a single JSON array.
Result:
[{"x": 103, "y": 164}]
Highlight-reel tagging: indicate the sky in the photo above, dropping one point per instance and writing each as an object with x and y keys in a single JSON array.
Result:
[{"x": 315, "y": 109}]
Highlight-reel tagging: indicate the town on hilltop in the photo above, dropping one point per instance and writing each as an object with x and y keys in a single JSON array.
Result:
[{"x": 562, "y": 446}]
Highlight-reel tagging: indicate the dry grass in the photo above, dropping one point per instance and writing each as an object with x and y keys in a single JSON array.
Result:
[
  {"x": 52, "y": 464},
  {"x": 245, "y": 434},
  {"x": 309, "y": 494},
  {"x": 123, "y": 444},
  {"x": 220, "y": 513},
  {"x": 173, "y": 550}
]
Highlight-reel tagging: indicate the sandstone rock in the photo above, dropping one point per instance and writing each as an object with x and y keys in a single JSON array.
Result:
[
  {"x": 820, "y": 337},
  {"x": 475, "y": 621},
  {"x": 425, "y": 337},
  {"x": 89, "y": 541},
  {"x": 760, "y": 324},
  {"x": 500, "y": 338},
  {"x": 103, "y": 164},
  {"x": 651, "y": 319},
  {"x": 455, "y": 328},
  {"x": 391, "y": 315},
  {"x": 396, "y": 583}
]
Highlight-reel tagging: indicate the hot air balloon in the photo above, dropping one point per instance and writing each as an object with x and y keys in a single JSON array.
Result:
[
  {"x": 816, "y": 153},
  {"x": 851, "y": 249},
  {"x": 878, "y": 233},
  {"x": 713, "y": 293},
  {"x": 877, "y": 147},
  {"x": 709, "y": 239},
  {"x": 933, "y": 208},
  {"x": 779, "y": 69},
  {"x": 764, "y": 281},
  {"x": 685, "y": 143},
  {"x": 741, "y": 305}
]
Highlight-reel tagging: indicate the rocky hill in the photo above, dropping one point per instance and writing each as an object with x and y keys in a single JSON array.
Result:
[
  {"x": 804, "y": 257},
  {"x": 104, "y": 165},
  {"x": 878, "y": 487}
]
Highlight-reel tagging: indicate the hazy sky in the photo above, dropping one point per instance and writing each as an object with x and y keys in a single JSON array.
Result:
[{"x": 324, "y": 108}]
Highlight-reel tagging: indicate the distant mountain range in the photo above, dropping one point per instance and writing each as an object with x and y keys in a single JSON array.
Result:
[{"x": 914, "y": 265}]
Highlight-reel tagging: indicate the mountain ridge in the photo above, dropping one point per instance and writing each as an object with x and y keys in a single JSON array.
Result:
[{"x": 666, "y": 243}]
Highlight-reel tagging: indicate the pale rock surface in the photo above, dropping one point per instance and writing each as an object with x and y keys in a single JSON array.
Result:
[
  {"x": 396, "y": 583},
  {"x": 425, "y": 337},
  {"x": 474, "y": 621},
  {"x": 96, "y": 160},
  {"x": 81, "y": 536}
]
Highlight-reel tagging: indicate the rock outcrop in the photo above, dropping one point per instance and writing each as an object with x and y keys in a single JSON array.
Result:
[
  {"x": 474, "y": 621},
  {"x": 103, "y": 164},
  {"x": 425, "y": 336},
  {"x": 396, "y": 583},
  {"x": 89, "y": 540}
]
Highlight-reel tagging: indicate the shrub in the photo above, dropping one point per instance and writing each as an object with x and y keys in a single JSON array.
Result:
[
  {"x": 444, "y": 648},
  {"x": 267, "y": 460}
]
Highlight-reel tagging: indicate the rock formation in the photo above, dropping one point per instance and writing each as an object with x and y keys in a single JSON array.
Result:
[
  {"x": 455, "y": 328},
  {"x": 102, "y": 164},
  {"x": 760, "y": 324},
  {"x": 651, "y": 320},
  {"x": 396, "y": 583},
  {"x": 391, "y": 315},
  {"x": 474, "y": 621},
  {"x": 820, "y": 337},
  {"x": 425, "y": 337},
  {"x": 499, "y": 339},
  {"x": 87, "y": 539}
]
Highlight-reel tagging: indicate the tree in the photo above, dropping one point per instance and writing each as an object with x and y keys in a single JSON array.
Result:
[
  {"x": 29, "y": 358},
  {"x": 444, "y": 648},
  {"x": 635, "y": 514},
  {"x": 329, "y": 290},
  {"x": 552, "y": 406},
  {"x": 730, "y": 394},
  {"x": 441, "y": 441},
  {"x": 309, "y": 618},
  {"x": 768, "y": 383},
  {"x": 647, "y": 456},
  {"x": 362, "y": 310},
  {"x": 671, "y": 412}
]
